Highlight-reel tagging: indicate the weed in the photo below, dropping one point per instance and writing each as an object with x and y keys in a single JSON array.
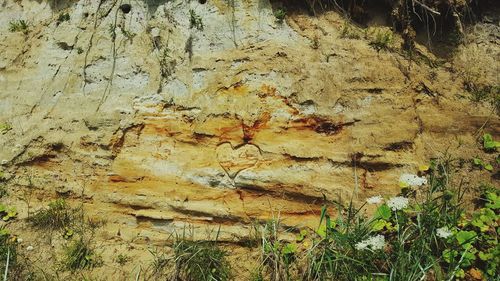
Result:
[
  {"x": 278, "y": 255},
  {"x": 7, "y": 213},
  {"x": 79, "y": 255},
  {"x": 195, "y": 20},
  {"x": 63, "y": 17},
  {"x": 481, "y": 164},
  {"x": 5, "y": 127},
  {"x": 128, "y": 34},
  {"x": 167, "y": 65},
  {"x": 160, "y": 262},
  {"x": 79, "y": 50},
  {"x": 280, "y": 15},
  {"x": 58, "y": 215},
  {"x": 380, "y": 38},
  {"x": 350, "y": 32},
  {"x": 18, "y": 26},
  {"x": 122, "y": 259},
  {"x": 489, "y": 144},
  {"x": 429, "y": 238},
  {"x": 8, "y": 251},
  {"x": 199, "y": 260},
  {"x": 112, "y": 31}
]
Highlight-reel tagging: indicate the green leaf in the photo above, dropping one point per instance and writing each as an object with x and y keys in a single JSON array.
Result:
[
  {"x": 378, "y": 225},
  {"x": 465, "y": 236},
  {"x": 460, "y": 273},
  {"x": 449, "y": 255},
  {"x": 290, "y": 248},
  {"x": 301, "y": 235},
  {"x": 493, "y": 200},
  {"x": 488, "y": 167},
  {"x": 485, "y": 256},
  {"x": 489, "y": 143},
  {"x": 477, "y": 162},
  {"x": 383, "y": 212}
]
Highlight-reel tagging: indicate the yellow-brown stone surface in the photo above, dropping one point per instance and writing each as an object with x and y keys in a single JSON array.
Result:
[{"x": 239, "y": 122}]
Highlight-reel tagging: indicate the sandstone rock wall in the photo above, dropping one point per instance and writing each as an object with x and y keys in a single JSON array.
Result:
[{"x": 156, "y": 125}]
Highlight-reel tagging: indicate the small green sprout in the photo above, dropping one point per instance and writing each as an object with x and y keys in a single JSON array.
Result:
[
  {"x": 280, "y": 15},
  {"x": 195, "y": 20},
  {"x": 18, "y": 26}
]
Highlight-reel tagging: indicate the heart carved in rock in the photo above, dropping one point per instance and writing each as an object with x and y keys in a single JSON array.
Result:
[{"x": 236, "y": 159}]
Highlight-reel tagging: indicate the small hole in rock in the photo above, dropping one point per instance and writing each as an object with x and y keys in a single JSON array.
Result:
[
  {"x": 125, "y": 8},
  {"x": 202, "y": 1}
]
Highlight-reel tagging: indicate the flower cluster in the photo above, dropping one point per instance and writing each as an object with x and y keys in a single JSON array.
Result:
[
  {"x": 375, "y": 243},
  {"x": 443, "y": 232},
  {"x": 375, "y": 200},
  {"x": 412, "y": 180},
  {"x": 398, "y": 203}
]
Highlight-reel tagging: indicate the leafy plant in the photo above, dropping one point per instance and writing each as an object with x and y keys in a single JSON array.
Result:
[
  {"x": 489, "y": 144},
  {"x": 479, "y": 163},
  {"x": 18, "y": 26},
  {"x": 280, "y": 15},
  {"x": 195, "y": 20},
  {"x": 7, "y": 213}
]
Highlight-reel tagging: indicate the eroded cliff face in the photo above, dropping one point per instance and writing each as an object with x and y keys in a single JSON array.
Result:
[{"x": 155, "y": 125}]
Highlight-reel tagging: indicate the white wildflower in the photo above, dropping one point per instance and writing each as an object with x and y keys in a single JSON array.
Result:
[
  {"x": 398, "y": 203},
  {"x": 443, "y": 232},
  {"x": 29, "y": 248},
  {"x": 374, "y": 200},
  {"x": 361, "y": 245},
  {"x": 412, "y": 180},
  {"x": 19, "y": 240},
  {"x": 375, "y": 243}
]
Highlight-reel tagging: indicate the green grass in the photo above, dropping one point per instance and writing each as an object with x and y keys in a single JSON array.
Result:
[
  {"x": 8, "y": 250},
  {"x": 56, "y": 216},
  {"x": 200, "y": 260},
  {"x": 79, "y": 254}
]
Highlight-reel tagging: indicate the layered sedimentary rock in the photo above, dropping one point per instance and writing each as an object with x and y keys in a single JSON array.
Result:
[{"x": 155, "y": 125}]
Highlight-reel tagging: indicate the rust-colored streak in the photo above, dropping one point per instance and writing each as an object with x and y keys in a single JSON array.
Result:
[
  {"x": 319, "y": 125},
  {"x": 249, "y": 131}
]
